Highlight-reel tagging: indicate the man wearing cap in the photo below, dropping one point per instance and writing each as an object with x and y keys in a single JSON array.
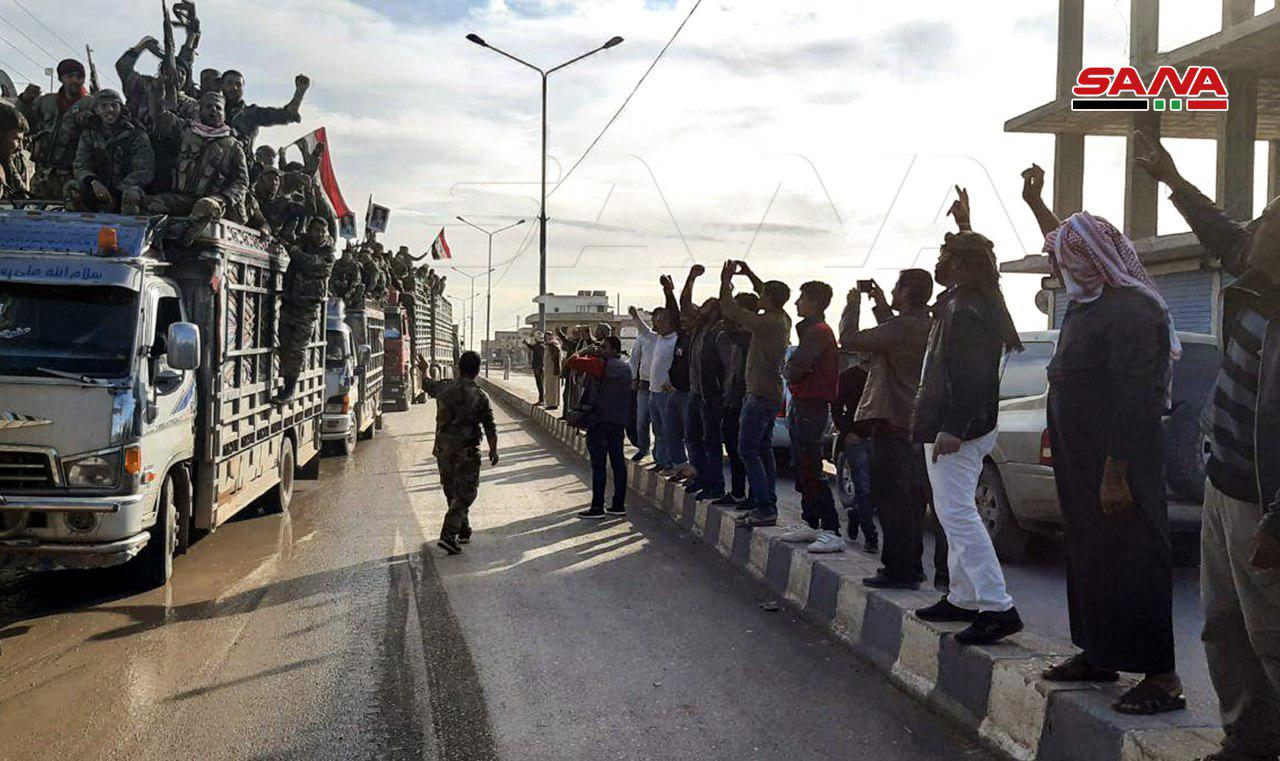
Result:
[
  {"x": 14, "y": 177},
  {"x": 56, "y": 120},
  {"x": 114, "y": 162},
  {"x": 211, "y": 177}
]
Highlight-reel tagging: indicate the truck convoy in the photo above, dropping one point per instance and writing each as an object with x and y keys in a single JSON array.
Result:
[
  {"x": 421, "y": 343},
  {"x": 353, "y": 374},
  {"x": 136, "y": 378}
]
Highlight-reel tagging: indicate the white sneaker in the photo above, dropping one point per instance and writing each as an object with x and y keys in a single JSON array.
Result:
[
  {"x": 827, "y": 543},
  {"x": 801, "y": 535}
]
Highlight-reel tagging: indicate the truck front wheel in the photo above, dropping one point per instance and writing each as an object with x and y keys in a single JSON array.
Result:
[
  {"x": 278, "y": 499},
  {"x": 154, "y": 565}
]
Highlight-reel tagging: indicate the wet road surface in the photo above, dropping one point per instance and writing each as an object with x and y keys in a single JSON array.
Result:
[{"x": 339, "y": 631}]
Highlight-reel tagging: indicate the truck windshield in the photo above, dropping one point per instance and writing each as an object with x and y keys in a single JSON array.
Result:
[
  {"x": 86, "y": 330},
  {"x": 335, "y": 353}
]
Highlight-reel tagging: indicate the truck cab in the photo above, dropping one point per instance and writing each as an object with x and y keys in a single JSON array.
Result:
[
  {"x": 353, "y": 371},
  {"x": 113, "y": 416}
]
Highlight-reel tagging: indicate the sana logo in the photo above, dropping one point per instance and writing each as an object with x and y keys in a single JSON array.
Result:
[{"x": 1196, "y": 88}]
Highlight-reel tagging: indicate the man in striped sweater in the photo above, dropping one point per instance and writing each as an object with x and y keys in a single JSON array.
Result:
[{"x": 1240, "y": 536}]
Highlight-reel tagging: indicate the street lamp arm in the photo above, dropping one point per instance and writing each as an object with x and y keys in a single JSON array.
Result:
[
  {"x": 472, "y": 224},
  {"x": 575, "y": 60},
  {"x": 520, "y": 61},
  {"x": 508, "y": 227}
]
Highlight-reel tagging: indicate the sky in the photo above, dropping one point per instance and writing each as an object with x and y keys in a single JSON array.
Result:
[{"x": 816, "y": 139}]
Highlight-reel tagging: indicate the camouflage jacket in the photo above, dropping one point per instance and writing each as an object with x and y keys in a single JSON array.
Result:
[
  {"x": 246, "y": 120},
  {"x": 462, "y": 412},
  {"x": 208, "y": 167},
  {"x": 17, "y": 172},
  {"x": 54, "y": 135},
  {"x": 375, "y": 282},
  {"x": 118, "y": 158},
  {"x": 345, "y": 282},
  {"x": 307, "y": 278}
]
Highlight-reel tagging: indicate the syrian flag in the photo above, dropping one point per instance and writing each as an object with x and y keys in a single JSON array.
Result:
[
  {"x": 328, "y": 180},
  {"x": 440, "y": 249}
]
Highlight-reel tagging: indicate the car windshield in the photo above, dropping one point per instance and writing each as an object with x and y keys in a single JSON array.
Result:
[
  {"x": 335, "y": 352},
  {"x": 1026, "y": 373},
  {"x": 87, "y": 330}
]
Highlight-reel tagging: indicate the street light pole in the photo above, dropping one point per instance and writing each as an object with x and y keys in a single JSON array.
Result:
[
  {"x": 542, "y": 208},
  {"x": 472, "y": 339},
  {"x": 488, "y": 299}
]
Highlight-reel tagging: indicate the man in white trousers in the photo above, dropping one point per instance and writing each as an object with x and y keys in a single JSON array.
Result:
[{"x": 955, "y": 416}]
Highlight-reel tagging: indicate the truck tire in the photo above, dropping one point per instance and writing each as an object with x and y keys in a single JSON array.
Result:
[
  {"x": 153, "y": 566},
  {"x": 366, "y": 434},
  {"x": 1011, "y": 540},
  {"x": 377, "y": 415},
  {"x": 277, "y": 500},
  {"x": 1185, "y": 453}
]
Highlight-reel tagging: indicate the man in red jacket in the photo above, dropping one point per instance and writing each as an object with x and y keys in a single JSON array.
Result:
[{"x": 813, "y": 376}]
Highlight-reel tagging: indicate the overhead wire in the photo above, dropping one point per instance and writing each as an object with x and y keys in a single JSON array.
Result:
[
  {"x": 21, "y": 52},
  {"x": 27, "y": 37},
  {"x": 45, "y": 26}
]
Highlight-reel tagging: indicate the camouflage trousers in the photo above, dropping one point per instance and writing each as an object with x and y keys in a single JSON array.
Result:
[
  {"x": 126, "y": 200},
  {"x": 181, "y": 205},
  {"x": 293, "y": 333},
  {"x": 52, "y": 185},
  {"x": 460, "y": 478}
]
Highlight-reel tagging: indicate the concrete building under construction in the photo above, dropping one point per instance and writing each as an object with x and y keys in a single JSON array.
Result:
[{"x": 1246, "y": 51}]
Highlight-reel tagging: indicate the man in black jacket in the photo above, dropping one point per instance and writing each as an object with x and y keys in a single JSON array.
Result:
[
  {"x": 1240, "y": 525},
  {"x": 537, "y": 356},
  {"x": 955, "y": 418}
]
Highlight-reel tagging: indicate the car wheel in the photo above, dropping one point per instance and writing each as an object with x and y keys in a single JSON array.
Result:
[
  {"x": 844, "y": 476},
  {"x": 1011, "y": 540},
  {"x": 154, "y": 564},
  {"x": 347, "y": 447}
]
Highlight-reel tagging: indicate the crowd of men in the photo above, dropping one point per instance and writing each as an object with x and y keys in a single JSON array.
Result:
[{"x": 915, "y": 399}]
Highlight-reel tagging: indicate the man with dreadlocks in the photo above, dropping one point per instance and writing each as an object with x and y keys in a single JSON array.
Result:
[
  {"x": 954, "y": 417},
  {"x": 1108, "y": 385}
]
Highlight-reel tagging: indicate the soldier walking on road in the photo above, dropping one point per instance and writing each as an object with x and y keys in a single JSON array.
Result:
[{"x": 462, "y": 410}]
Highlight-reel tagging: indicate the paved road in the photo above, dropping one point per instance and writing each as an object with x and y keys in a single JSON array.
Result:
[
  {"x": 1040, "y": 588},
  {"x": 339, "y": 631}
]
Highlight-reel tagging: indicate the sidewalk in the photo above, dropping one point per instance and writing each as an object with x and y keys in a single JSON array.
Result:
[{"x": 993, "y": 690}]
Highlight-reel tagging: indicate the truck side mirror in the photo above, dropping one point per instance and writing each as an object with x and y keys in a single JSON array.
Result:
[{"x": 183, "y": 346}]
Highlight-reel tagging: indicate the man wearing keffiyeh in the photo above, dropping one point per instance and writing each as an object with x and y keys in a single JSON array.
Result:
[{"x": 1109, "y": 380}]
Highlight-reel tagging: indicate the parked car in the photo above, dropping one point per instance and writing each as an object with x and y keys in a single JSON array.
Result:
[{"x": 1016, "y": 494}]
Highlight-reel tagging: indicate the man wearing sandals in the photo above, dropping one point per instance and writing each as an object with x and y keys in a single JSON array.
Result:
[
  {"x": 1109, "y": 384},
  {"x": 1240, "y": 532}
]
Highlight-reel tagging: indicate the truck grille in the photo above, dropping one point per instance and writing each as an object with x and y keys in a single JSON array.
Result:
[{"x": 25, "y": 470}]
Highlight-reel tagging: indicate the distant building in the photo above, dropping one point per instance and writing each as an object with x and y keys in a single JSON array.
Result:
[
  {"x": 512, "y": 342},
  {"x": 1244, "y": 53},
  {"x": 583, "y": 308}
]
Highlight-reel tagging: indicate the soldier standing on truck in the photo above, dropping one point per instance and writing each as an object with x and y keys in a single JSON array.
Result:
[
  {"x": 462, "y": 410},
  {"x": 56, "y": 119},
  {"x": 306, "y": 286},
  {"x": 114, "y": 161},
  {"x": 14, "y": 171}
]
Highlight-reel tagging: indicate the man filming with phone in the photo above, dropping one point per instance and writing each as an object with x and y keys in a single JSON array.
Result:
[{"x": 896, "y": 348}]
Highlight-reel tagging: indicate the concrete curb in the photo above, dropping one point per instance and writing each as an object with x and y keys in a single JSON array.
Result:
[{"x": 995, "y": 691}]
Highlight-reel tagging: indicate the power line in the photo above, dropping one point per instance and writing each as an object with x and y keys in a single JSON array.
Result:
[
  {"x": 15, "y": 70},
  {"x": 634, "y": 90},
  {"x": 26, "y": 37},
  {"x": 45, "y": 27},
  {"x": 21, "y": 52}
]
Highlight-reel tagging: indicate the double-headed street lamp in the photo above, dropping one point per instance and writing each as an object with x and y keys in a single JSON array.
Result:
[
  {"x": 472, "y": 339},
  {"x": 542, "y": 209},
  {"x": 488, "y": 299}
]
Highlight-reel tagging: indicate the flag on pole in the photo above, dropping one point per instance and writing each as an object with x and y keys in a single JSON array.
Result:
[
  {"x": 440, "y": 249},
  {"x": 328, "y": 179}
]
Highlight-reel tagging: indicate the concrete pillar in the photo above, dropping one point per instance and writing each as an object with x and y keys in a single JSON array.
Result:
[
  {"x": 1140, "y": 191},
  {"x": 1068, "y": 153},
  {"x": 1238, "y": 130}
]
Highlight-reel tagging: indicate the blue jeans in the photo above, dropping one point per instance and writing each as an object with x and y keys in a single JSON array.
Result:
[
  {"x": 857, "y": 452},
  {"x": 668, "y": 429},
  {"x": 642, "y": 420},
  {"x": 755, "y": 446}
]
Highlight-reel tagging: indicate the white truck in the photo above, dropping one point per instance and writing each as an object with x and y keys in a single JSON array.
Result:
[
  {"x": 136, "y": 378},
  {"x": 353, "y": 372}
]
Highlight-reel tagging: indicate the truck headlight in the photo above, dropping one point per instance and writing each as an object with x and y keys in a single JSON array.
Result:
[{"x": 95, "y": 471}]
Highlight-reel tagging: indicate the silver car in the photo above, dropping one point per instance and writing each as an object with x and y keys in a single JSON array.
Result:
[{"x": 1016, "y": 494}]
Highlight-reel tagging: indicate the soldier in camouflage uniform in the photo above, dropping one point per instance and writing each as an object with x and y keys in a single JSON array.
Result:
[
  {"x": 306, "y": 286},
  {"x": 346, "y": 281},
  {"x": 248, "y": 119},
  {"x": 114, "y": 162},
  {"x": 375, "y": 283},
  {"x": 211, "y": 175},
  {"x": 462, "y": 411},
  {"x": 262, "y": 203},
  {"x": 14, "y": 174},
  {"x": 56, "y": 120}
]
